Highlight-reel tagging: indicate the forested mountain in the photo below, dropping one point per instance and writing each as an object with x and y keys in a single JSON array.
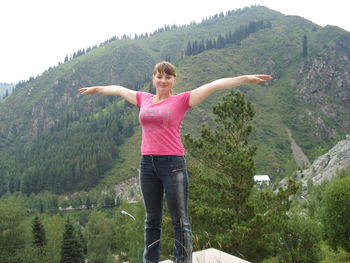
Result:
[{"x": 52, "y": 138}]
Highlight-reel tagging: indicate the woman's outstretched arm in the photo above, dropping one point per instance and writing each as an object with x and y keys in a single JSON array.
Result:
[
  {"x": 112, "y": 90},
  {"x": 203, "y": 92}
]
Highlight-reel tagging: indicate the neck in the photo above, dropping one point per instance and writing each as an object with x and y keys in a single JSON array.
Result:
[{"x": 162, "y": 96}]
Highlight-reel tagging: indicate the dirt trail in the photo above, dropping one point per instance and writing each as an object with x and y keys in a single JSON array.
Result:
[{"x": 298, "y": 154}]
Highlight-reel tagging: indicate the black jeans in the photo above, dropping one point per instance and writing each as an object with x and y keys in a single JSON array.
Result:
[{"x": 158, "y": 174}]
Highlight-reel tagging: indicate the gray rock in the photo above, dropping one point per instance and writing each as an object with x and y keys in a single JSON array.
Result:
[{"x": 325, "y": 167}]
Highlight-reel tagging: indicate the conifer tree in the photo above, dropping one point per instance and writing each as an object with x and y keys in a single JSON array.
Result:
[
  {"x": 83, "y": 241},
  {"x": 209, "y": 44},
  {"x": 41, "y": 207},
  {"x": 227, "y": 211},
  {"x": 304, "y": 46},
  {"x": 201, "y": 47},
  {"x": 223, "y": 162},
  {"x": 195, "y": 48},
  {"x": 225, "y": 165},
  {"x": 71, "y": 250},
  {"x": 88, "y": 203},
  {"x": 189, "y": 49},
  {"x": 220, "y": 42},
  {"x": 3, "y": 185},
  {"x": 39, "y": 234},
  {"x": 226, "y": 151}
]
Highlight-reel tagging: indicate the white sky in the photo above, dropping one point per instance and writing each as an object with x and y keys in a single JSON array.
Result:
[{"x": 37, "y": 34}]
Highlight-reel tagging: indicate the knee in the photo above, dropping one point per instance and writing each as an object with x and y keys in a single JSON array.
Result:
[
  {"x": 153, "y": 221},
  {"x": 181, "y": 223}
]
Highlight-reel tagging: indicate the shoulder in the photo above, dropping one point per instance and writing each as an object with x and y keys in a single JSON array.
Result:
[
  {"x": 142, "y": 96},
  {"x": 184, "y": 97}
]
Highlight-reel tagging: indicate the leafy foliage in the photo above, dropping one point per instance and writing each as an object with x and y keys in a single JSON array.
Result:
[
  {"x": 299, "y": 241},
  {"x": 100, "y": 237},
  {"x": 12, "y": 240},
  {"x": 336, "y": 201}
]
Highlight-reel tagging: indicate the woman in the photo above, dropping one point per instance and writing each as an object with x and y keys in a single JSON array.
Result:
[{"x": 163, "y": 166}]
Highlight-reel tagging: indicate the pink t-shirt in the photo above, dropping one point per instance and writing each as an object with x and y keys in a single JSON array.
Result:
[{"x": 161, "y": 123}]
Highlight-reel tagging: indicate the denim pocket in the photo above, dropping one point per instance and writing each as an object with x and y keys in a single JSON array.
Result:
[{"x": 178, "y": 163}]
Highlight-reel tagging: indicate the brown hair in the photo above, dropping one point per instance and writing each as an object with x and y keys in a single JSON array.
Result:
[{"x": 164, "y": 67}]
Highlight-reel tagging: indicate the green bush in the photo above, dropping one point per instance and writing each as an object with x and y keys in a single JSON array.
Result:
[
  {"x": 336, "y": 213},
  {"x": 299, "y": 241}
]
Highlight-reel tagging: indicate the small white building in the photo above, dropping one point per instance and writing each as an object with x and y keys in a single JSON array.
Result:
[{"x": 262, "y": 179}]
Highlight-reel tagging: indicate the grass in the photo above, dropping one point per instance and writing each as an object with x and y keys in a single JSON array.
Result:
[{"x": 331, "y": 256}]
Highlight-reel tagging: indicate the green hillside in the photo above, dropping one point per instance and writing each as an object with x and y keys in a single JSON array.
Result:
[{"x": 54, "y": 139}]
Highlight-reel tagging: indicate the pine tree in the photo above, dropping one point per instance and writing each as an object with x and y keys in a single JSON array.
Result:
[
  {"x": 304, "y": 46},
  {"x": 209, "y": 44},
  {"x": 223, "y": 162},
  {"x": 88, "y": 203},
  {"x": 39, "y": 234},
  {"x": 41, "y": 207},
  {"x": 3, "y": 185},
  {"x": 83, "y": 241},
  {"x": 71, "y": 250},
  {"x": 201, "y": 47},
  {"x": 189, "y": 49},
  {"x": 220, "y": 42},
  {"x": 232, "y": 158},
  {"x": 247, "y": 222},
  {"x": 195, "y": 48}
]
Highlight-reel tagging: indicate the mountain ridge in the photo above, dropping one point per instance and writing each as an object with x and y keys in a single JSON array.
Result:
[{"x": 49, "y": 110}]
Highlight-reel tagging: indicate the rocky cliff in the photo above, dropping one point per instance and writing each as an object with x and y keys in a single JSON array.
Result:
[
  {"x": 324, "y": 82},
  {"x": 325, "y": 167}
]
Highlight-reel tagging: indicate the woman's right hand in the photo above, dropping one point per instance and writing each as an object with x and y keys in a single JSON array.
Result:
[
  {"x": 88, "y": 90},
  {"x": 112, "y": 90}
]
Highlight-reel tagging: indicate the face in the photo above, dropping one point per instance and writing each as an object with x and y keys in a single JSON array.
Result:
[{"x": 163, "y": 82}]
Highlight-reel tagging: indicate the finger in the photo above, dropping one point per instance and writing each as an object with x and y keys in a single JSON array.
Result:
[
  {"x": 265, "y": 77},
  {"x": 81, "y": 90},
  {"x": 262, "y": 78}
]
